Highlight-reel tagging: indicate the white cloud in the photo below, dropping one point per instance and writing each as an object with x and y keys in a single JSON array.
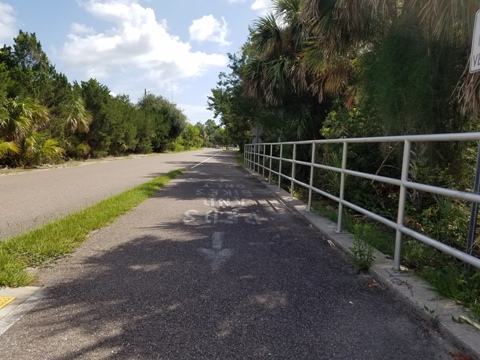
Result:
[
  {"x": 208, "y": 28},
  {"x": 7, "y": 23},
  {"x": 80, "y": 29},
  {"x": 262, "y": 6},
  {"x": 136, "y": 40}
]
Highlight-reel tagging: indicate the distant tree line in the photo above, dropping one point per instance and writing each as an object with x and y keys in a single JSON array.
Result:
[
  {"x": 45, "y": 118},
  {"x": 207, "y": 135}
]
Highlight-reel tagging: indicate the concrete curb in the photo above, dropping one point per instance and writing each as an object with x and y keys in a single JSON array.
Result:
[
  {"x": 413, "y": 291},
  {"x": 25, "y": 300}
]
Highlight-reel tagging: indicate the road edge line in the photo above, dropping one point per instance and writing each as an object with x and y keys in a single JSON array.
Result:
[{"x": 200, "y": 163}]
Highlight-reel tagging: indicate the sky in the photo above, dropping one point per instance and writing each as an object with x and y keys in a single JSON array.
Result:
[{"x": 172, "y": 48}]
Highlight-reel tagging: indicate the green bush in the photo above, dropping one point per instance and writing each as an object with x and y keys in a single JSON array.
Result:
[{"x": 175, "y": 147}]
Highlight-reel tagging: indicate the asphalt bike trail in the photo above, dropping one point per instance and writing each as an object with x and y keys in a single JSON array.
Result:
[{"x": 214, "y": 266}]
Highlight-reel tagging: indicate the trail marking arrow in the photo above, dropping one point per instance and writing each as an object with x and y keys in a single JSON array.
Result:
[{"x": 216, "y": 256}]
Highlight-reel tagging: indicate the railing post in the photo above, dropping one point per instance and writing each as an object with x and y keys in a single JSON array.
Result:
[
  {"x": 257, "y": 158},
  {"x": 342, "y": 187},
  {"x": 280, "y": 168},
  {"x": 474, "y": 211},
  {"x": 270, "y": 165},
  {"x": 309, "y": 206},
  {"x": 252, "y": 157},
  {"x": 294, "y": 157},
  {"x": 245, "y": 162},
  {"x": 263, "y": 162},
  {"x": 401, "y": 205}
]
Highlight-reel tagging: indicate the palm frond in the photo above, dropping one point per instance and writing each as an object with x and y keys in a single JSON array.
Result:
[
  {"x": 7, "y": 147},
  {"x": 266, "y": 37},
  {"x": 287, "y": 10},
  {"x": 468, "y": 93},
  {"x": 79, "y": 119},
  {"x": 341, "y": 24},
  {"x": 17, "y": 121},
  {"x": 447, "y": 20}
]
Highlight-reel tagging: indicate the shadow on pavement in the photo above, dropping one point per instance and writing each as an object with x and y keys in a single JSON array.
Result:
[{"x": 283, "y": 294}]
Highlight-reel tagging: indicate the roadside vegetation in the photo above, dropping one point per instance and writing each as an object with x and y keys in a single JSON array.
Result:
[
  {"x": 314, "y": 69},
  {"x": 42, "y": 246},
  {"x": 46, "y": 119}
]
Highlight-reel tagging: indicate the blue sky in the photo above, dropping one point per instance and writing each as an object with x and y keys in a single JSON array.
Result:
[{"x": 173, "y": 48}]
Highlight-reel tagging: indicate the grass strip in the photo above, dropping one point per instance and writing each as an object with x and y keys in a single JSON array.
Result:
[{"x": 52, "y": 241}]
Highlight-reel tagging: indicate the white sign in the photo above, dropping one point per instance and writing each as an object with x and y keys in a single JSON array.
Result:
[
  {"x": 257, "y": 131},
  {"x": 475, "y": 53},
  {"x": 257, "y": 140}
]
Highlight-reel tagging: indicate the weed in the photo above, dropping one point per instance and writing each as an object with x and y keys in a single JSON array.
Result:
[
  {"x": 363, "y": 252},
  {"x": 240, "y": 158}
]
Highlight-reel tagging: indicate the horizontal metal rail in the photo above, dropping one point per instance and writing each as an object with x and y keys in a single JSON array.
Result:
[{"x": 257, "y": 159}]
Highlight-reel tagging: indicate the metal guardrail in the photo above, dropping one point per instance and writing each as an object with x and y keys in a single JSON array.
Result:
[{"x": 256, "y": 159}]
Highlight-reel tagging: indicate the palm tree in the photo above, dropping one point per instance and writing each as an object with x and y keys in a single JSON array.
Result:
[
  {"x": 342, "y": 26},
  {"x": 7, "y": 148},
  {"x": 21, "y": 133},
  {"x": 452, "y": 22},
  {"x": 17, "y": 119},
  {"x": 288, "y": 67},
  {"x": 296, "y": 49},
  {"x": 78, "y": 118},
  {"x": 275, "y": 75},
  {"x": 273, "y": 69}
]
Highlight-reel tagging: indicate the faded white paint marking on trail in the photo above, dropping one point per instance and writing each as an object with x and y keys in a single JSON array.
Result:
[
  {"x": 217, "y": 217},
  {"x": 200, "y": 163},
  {"x": 217, "y": 240},
  {"x": 189, "y": 216},
  {"x": 216, "y": 256}
]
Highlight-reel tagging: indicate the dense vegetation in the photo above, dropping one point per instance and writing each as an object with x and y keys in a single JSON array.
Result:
[
  {"x": 399, "y": 67},
  {"x": 314, "y": 69},
  {"x": 44, "y": 118}
]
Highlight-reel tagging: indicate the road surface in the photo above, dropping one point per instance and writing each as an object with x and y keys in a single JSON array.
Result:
[{"x": 30, "y": 199}]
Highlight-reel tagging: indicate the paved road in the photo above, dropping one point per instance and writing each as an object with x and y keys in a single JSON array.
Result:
[
  {"x": 30, "y": 199},
  {"x": 214, "y": 267}
]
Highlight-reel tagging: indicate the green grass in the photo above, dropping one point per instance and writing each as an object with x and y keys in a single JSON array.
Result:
[
  {"x": 446, "y": 274},
  {"x": 52, "y": 241},
  {"x": 178, "y": 150}
]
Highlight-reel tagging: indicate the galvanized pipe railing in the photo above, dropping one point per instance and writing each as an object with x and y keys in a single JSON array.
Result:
[{"x": 256, "y": 156}]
